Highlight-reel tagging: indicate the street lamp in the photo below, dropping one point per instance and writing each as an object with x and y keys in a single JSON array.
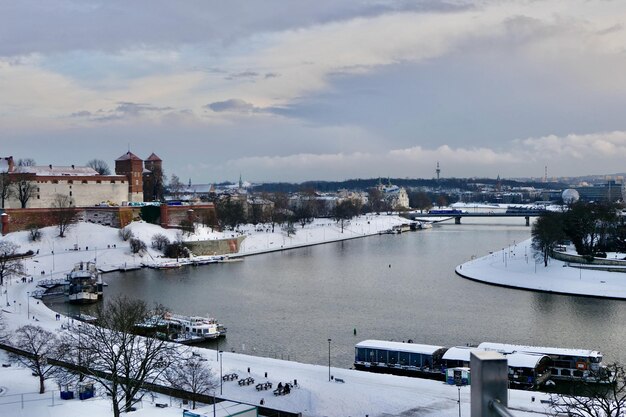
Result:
[
  {"x": 28, "y": 303},
  {"x": 221, "y": 377},
  {"x": 329, "y": 360},
  {"x": 217, "y": 349}
]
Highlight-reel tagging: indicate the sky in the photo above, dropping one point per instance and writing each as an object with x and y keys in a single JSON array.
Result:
[{"x": 284, "y": 90}]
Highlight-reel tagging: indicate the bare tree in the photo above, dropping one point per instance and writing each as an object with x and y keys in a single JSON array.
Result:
[
  {"x": 607, "y": 398},
  {"x": 4, "y": 332},
  {"x": 125, "y": 233},
  {"x": 137, "y": 246},
  {"x": 24, "y": 188},
  {"x": 160, "y": 241},
  {"x": 99, "y": 166},
  {"x": 154, "y": 185},
  {"x": 34, "y": 232},
  {"x": 128, "y": 360},
  {"x": 42, "y": 345},
  {"x": 175, "y": 186},
  {"x": 6, "y": 187},
  {"x": 191, "y": 374},
  {"x": 10, "y": 263},
  {"x": 64, "y": 215},
  {"x": 26, "y": 162}
]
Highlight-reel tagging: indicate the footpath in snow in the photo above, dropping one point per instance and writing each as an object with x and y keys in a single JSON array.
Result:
[{"x": 516, "y": 267}]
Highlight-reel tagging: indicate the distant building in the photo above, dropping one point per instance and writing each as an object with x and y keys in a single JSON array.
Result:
[
  {"x": 611, "y": 191},
  {"x": 83, "y": 185},
  {"x": 395, "y": 196}
]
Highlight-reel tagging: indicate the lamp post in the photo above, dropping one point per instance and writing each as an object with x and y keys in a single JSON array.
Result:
[
  {"x": 329, "y": 360},
  {"x": 221, "y": 380},
  {"x": 217, "y": 349},
  {"x": 459, "y": 387},
  {"x": 28, "y": 303}
]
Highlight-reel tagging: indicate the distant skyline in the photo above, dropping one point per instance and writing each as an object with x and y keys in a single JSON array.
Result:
[{"x": 294, "y": 91}]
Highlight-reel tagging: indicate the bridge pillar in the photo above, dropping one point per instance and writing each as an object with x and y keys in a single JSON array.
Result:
[
  {"x": 457, "y": 220},
  {"x": 527, "y": 220}
]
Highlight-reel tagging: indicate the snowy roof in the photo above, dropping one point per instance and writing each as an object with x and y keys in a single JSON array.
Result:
[
  {"x": 153, "y": 157},
  {"x": 459, "y": 353},
  {"x": 506, "y": 348},
  {"x": 399, "y": 346},
  {"x": 524, "y": 360},
  {"x": 128, "y": 155},
  {"x": 49, "y": 170}
]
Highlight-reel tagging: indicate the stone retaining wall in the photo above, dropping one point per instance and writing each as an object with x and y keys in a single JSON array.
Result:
[{"x": 215, "y": 247}]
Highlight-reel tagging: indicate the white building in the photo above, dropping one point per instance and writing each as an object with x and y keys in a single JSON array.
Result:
[{"x": 83, "y": 185}]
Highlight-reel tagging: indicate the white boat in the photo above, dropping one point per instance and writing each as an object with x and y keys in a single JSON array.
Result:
[
  {"x": 168, "y": 265},
  {"x": 85, "y": 284},
  {"x": 182, "y": 329}
]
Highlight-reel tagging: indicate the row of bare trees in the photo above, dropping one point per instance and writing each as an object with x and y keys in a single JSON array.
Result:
[{"x": 110, "y": 354}]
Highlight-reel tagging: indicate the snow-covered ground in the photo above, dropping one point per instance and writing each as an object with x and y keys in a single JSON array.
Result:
[{"x": 515, "y": 266}]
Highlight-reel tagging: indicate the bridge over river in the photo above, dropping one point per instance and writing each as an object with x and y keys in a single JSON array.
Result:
[{"x": 527, "y": 214}]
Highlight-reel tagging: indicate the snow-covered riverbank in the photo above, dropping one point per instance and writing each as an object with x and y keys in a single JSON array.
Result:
[{"x": 516, "y": 267}]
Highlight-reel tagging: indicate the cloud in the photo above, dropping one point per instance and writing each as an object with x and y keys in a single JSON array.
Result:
[
  {"x": 608, "y": 145},
  {"x": 232, "y": 105}
]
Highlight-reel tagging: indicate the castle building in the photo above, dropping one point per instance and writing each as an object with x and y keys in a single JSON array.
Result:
[
  {"x": 131, "y": 166},
  {"x": 43, "y": 184}
]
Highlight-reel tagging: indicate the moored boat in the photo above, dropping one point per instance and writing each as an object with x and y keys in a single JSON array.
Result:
[
  {"x": 85, "y": 284},
  {"x": 182, "y": 329},
  {"x": 529, "y": 366}
]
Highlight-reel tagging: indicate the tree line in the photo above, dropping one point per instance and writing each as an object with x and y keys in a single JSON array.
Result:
[{"x": 593, "y": 229}]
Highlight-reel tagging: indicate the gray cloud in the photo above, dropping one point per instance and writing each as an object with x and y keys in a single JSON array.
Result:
[
  {"x": 87, "y": 25},
  {"x": 233, "y": 105},
  {"x": 251, "y": 75}
]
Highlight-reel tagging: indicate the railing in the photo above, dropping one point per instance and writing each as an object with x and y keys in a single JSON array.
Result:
[{"x": 501, "y": 410}]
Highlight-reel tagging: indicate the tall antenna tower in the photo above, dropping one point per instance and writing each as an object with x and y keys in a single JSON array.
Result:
[
  {"x": 545, "y": 175},
  {"x": 438, "y": 171}
]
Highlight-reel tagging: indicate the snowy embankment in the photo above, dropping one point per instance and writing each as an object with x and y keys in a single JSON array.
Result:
[{"x": 516, "y": 267}]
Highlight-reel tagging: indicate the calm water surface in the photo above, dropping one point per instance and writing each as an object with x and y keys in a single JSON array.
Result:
[{"x": 394, "y": 287}]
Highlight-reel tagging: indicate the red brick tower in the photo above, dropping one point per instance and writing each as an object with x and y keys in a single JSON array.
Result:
[
  {"x": 153, "y": 162},
  {"x": 131, "y": 166},
  {"x": 153, "y": 178}
]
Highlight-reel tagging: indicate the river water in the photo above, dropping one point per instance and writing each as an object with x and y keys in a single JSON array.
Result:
[{"x": 391, "y": 287}]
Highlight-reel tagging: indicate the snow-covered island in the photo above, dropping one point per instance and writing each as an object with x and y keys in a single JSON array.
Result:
[{"x": 515, "y": 266}]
